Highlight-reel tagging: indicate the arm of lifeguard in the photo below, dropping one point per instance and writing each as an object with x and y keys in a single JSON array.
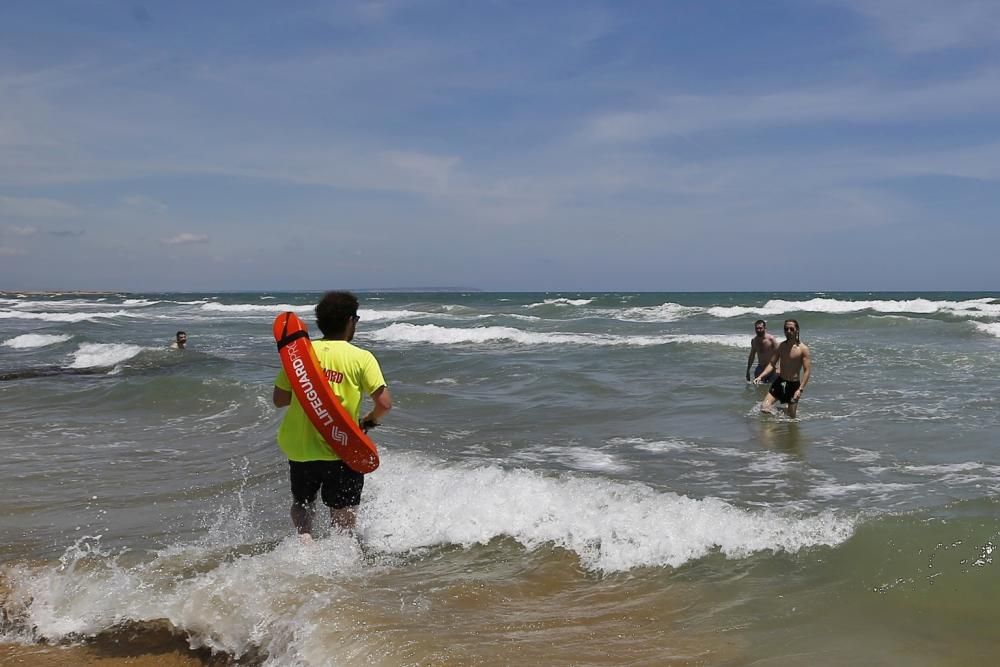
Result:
[
  {"x": 383, "y": 403},
  {"x": 281, "y": 398}
]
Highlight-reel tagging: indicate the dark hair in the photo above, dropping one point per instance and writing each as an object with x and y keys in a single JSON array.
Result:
[
  {"x": 760, "y": 322},
  {"x": 179, "y": 333},
  {"x": 334, "y": 311},
  {"x": 798, "y": 329}
]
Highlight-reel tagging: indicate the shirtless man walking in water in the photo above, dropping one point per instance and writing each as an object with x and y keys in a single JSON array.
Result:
[
  {"x": 762, "y": 346},
  {"x": 792, "y": 358}
]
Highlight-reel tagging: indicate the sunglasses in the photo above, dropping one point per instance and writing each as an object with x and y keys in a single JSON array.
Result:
[{"x": 355, "y": 317}]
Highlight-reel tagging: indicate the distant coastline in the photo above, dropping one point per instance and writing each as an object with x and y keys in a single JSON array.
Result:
[
  {"x": 74, "y": 292},
  {"x": 7, "y": 293},
  {"x": 403, "y": 290},
  {"x": 394, "y": 290}
]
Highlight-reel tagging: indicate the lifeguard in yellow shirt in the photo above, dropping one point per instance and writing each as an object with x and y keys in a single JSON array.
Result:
[{"x": 352, "y": 372}]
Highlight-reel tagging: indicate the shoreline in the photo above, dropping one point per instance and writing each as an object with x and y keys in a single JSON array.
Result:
[{"x": 154, "y": 643}]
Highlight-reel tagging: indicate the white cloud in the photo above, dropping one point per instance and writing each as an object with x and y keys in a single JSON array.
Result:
[
  {"x": 918, "y": 26},
  {"x": 22, "y": 231},
  {"x": 186, "y": 238},
  {"x": 424, "y": 172},
  {"x": 141, "y": 203},
  {"x": 680, "y": 115},
  {"x": 34, "y": 207},
  {"x": 380, "y": 11}
]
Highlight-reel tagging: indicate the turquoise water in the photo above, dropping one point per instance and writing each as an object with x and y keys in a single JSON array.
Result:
[{"x": 569, "y": 478}]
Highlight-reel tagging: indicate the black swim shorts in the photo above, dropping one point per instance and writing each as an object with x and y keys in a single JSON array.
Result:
[
  {"x": 341, "y": 486},
  {"x": 783, "y": 390}
]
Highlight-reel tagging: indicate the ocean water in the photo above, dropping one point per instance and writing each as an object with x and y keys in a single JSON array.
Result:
[{"x": 568, "y": 479}]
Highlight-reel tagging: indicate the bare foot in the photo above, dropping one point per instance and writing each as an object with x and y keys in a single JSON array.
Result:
[{"x": 305, "y": 538}]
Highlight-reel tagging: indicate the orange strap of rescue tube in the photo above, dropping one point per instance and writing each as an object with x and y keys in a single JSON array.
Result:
[{"x": 324, "y": 409}]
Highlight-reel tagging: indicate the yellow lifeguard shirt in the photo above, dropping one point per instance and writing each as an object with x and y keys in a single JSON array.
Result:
[{"x": 350, "y": 371}]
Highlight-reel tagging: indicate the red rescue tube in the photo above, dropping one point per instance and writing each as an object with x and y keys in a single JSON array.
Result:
[{"x": 321, "y": 405}]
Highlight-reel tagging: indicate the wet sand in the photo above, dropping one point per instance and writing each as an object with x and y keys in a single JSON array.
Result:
[
  {"x": 110, "y": 654},
  {"x": 139, "y": 645}
]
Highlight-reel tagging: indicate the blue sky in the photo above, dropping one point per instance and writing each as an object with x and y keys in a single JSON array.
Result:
[{"x": 661, "y": 146}]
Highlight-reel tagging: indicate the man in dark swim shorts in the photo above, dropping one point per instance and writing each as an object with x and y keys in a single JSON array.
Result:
[
  {"x": 785, "y": 390},
  {"x": 792, "y": 359},
  {"x": 341, "y": 487},
  {"x": 762, "y": 346}
]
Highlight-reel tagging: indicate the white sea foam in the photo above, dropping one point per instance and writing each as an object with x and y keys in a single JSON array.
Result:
[
  {"x": 385, "y": 315},
  {"x": 60, "y": 317},
  {"x": 861, "y": 455},
  {"x": 100, "y": 355},
  {"x": 610, "y": 525},
  {"x": 727, "y": 340},
  {"x": 944, "y": 468},
  {"x": 561, "y": 302},
  {"x": 587, "y": 458},
  {"x": 438, "y": 335},
  {"x": 275, "y": 308},
  {"x": 772, "y": 462},
  {"x": 986, "y": 307},
  {"x": 30, "y": 341},
  {"x": 60, "y": 305},
  {"x": 667, "y": 312},
  {"x": 867, "y": 489},
  {"x": 992, "y": 328},
  {"x": 233, "y": 607},
  {"x": 732, "y": 452},
  {"x": 295, "y": 603},
  {"x": 656, "y": 446}
]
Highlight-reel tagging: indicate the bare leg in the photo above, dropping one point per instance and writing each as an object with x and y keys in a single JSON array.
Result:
[
  {"x": 766, "y": 405},
  {"x": 343, "y": 519},
  {"x": 302, "y": 518},
  {"x": 792, "y": 409}
]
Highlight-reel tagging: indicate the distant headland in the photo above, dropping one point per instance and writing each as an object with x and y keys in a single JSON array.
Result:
[
  {"x": 59, "y": 292},
  {"x": 420, "y": 289},
  {"x": 364, "y": 290}
]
